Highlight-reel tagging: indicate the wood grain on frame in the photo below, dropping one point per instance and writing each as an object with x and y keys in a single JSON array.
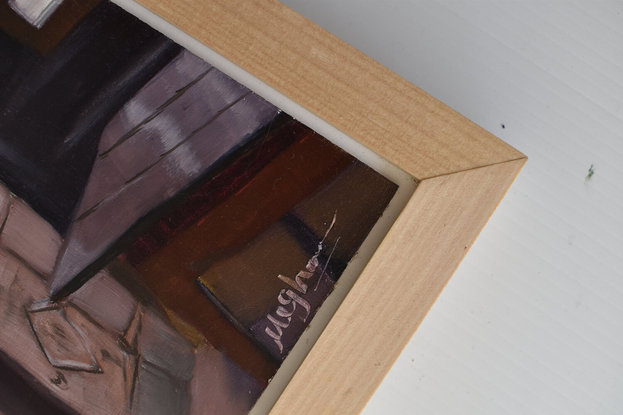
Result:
[
  {"x": 338, "y": 83},
  {"x": 395, "y": 291},
  {"x": 463, "y": 170}
]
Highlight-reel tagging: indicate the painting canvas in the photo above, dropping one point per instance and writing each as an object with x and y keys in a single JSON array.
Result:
[{"x": 167, "y": 235}]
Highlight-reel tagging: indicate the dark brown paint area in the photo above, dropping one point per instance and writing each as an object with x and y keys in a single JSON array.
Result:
[{"x": 215, "y": 259}]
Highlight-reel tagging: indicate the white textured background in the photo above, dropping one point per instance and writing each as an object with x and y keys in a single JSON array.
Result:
[{"x": 532, "y": 322}]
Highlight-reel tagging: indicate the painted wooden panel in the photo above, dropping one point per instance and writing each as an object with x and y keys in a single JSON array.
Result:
[{"x": 194, "y": 233}]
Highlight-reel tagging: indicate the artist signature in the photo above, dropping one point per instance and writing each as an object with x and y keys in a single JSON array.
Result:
[{"x": 290, "y": 298}]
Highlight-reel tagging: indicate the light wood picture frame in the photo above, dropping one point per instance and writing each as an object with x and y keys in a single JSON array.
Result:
[{"x": 461, "y": 172}]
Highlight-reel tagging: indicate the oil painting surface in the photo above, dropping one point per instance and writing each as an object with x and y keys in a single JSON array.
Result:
[{"x": 166, "y": 235}]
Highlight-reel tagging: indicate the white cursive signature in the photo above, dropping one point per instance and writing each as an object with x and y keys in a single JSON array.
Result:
[{"x": 288, "y": 298}]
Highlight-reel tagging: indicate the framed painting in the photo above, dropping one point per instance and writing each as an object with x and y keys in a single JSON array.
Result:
[{"x": 218, "y": 207}]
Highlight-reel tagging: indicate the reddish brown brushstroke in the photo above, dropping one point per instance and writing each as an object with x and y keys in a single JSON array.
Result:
[
  {"x": 229, "y": 221},
  {"x": 282, "y": 133}
]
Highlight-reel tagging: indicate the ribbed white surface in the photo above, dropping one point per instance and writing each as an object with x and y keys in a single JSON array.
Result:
[{"x": 532, "y": 322}]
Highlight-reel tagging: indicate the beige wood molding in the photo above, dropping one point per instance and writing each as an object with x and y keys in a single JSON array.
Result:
[
  {"x": 338, "y": 83},
  {"x": 397, "y": 288}
]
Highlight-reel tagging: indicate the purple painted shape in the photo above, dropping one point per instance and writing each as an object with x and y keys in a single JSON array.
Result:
[
  {"x": 92, "y": 234},
  {"x": 170, "y": 81},
  {"x": 29, "y": 236},
  {"x": 201, "y": 103}
]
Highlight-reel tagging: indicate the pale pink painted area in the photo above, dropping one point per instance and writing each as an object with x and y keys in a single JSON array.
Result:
[
  {"x": 5, "y": 200},
  {"x": 28, "y": 236},
  {"x": 150, "y": 376},
  {"x": 62, "y": 342},
  {"x": 88, "y": 393},
  {"x": 8, "y": 272},
  {"x": 106, "y": 301},
  {"x": 147, "y": 367}
]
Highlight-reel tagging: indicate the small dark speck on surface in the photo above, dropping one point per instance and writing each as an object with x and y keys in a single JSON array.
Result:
[
  {"x": 503, "y": 126},
  {"x": 591, "y": 172},
  {"x": 59, "y": 379}
]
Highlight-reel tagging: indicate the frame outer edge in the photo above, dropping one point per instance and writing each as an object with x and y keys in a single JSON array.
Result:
[{"x": 392, "y": 295}]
